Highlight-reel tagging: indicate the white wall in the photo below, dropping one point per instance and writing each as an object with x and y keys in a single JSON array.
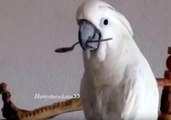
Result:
[{"x": 30, "y": 31}]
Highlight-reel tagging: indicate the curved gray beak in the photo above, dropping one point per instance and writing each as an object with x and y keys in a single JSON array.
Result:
[{"x": 89, "y": 35}]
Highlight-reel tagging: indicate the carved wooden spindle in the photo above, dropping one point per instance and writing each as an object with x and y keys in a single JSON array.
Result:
[
  {"x": 165, "y": 107},
  {"x": 8, "y": 109}
]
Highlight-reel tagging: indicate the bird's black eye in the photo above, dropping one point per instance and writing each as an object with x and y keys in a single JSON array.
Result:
[{"x": 105, "y": 22}]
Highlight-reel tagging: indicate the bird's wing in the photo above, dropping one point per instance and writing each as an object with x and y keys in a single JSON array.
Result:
[{"x": 140, "y": 95}]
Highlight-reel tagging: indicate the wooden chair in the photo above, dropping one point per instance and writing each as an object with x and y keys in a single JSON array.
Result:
[{"x": 11, "y": 112}]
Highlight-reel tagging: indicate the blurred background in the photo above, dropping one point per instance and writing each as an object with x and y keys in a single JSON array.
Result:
[{"x": 30, "y": 31}]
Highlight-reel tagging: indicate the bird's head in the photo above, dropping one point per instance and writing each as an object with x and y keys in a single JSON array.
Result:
[{"x": 101, "y": 27}]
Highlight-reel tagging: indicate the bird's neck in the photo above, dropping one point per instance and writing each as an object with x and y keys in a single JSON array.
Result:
[{"x": 115, "y": 59}]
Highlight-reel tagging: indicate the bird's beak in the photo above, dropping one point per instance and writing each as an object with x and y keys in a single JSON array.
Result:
[{"x": 89, "y": 36}]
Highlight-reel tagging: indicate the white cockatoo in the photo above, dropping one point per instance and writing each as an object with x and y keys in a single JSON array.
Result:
[{"x": 118, "y": 83}]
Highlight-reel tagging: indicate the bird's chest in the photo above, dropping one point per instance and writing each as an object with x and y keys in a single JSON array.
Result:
[
  {"x": 106, "y": 101},
  {"x": 103, "y": 95}
]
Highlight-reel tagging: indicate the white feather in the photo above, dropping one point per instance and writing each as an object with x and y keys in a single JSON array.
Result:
[{"x": 118, "y": 83}]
